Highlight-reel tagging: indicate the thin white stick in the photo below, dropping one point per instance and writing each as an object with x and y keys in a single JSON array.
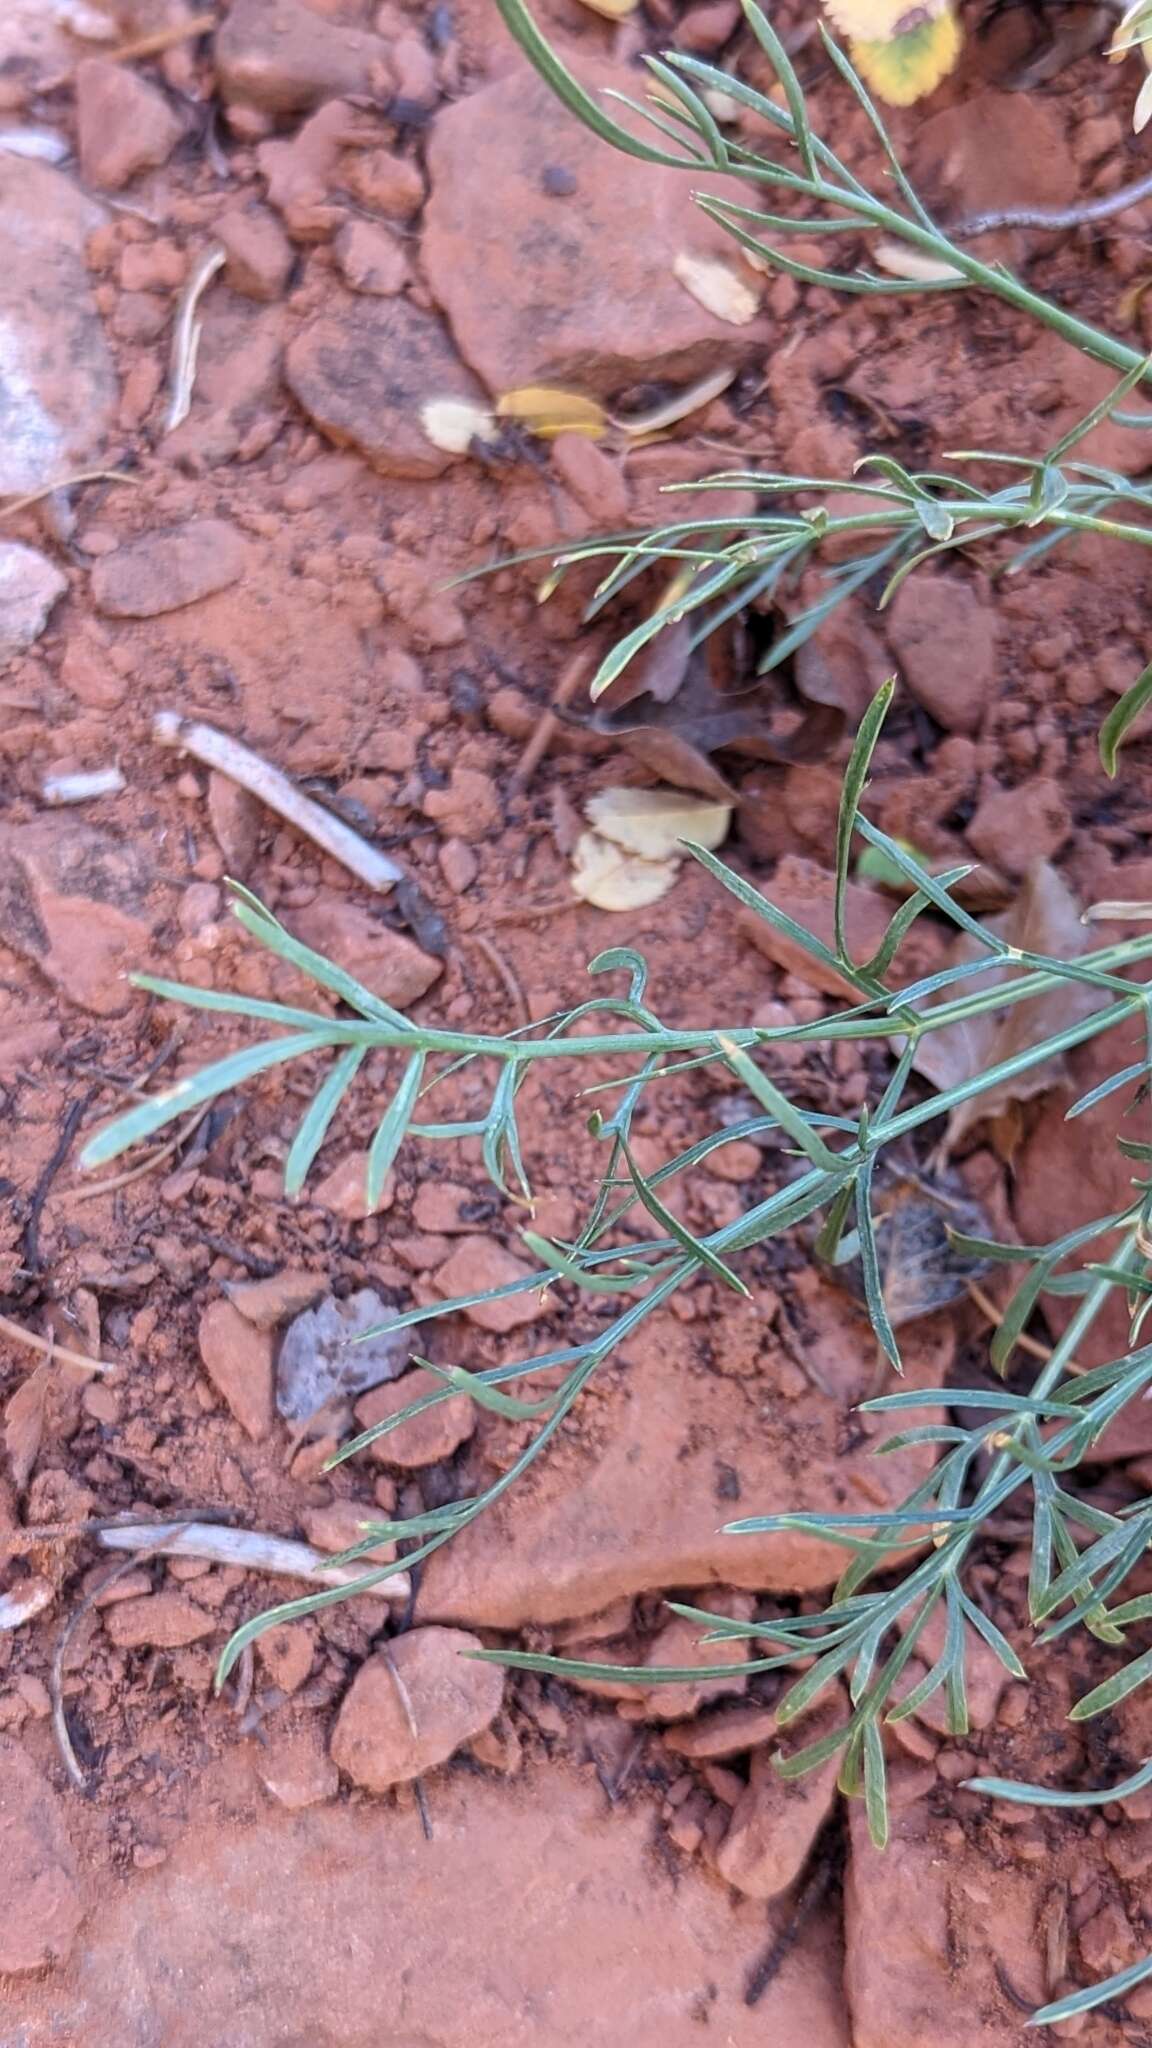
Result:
[
  {"x": 58, "y": 1353},
  {"x": 186, "y": 338},
  {"x": 1117, "y": 913},
  {"x": 82, "y": 787},
  {"x": 678, "y": 407},
  {"x": 252, "y": 1551},
  {"x": 253, "y": 773}
]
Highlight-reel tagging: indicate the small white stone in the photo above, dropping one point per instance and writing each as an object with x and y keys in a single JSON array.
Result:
[{"x": 29, "y": 587}]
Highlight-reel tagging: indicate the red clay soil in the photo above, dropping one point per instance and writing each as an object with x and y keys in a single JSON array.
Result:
[{"x": 404, "y": 215}]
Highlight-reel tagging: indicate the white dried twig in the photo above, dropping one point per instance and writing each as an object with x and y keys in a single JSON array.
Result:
[
  {"x": 678, "y": 407},
  {"x": 186, "y": 338},
  {"x": 81, "y": 788},
  {"x": 253, "y": 773},
  {"x": 1119, "y": 912},
  {"x": 252, "y": 1551},
  {"x": 58, "y": 1352}
]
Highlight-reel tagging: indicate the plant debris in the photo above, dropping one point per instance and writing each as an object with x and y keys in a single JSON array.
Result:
[
  {"x": 249, "y": 1550},
  {"x": 920, "y": 1270},
  {"x": 241, "y": 765},
  {"x": 546, "y": 411},
  {"x": 327, "y": 1351},
  {"x": 718, "y": 288},
  {"x": 454, "y": 423},
  {"x": 654, "y": 822},
  {"x": 1043, "y": 919},
  {"x": 610, "y": 879},
  {"x": 83, "y": 787},
  {"x": 676, "y": 705},
  {"x": 632, "y": 855}
]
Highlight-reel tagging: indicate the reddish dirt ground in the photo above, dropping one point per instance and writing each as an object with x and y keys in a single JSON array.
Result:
[{"x": 404, "y": 216}]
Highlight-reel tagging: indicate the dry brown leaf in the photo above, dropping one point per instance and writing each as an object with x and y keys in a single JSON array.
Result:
[
  {"x": 674, "y": 737},
  {"x": 674, "y": 759},
  {"x": 454, "y": 423},
  {"x": 677, "y": 704},
  {"x": 24, "y": 1423},
  {"x": 547, "y": 411},
  {"x": 609, "y": 878},
  {"x": 920, "y": 1269},
  {"x": 653, "y": 822},
  {"x": 1043, "y": 919},
  {"x": 716, "y": 287}
]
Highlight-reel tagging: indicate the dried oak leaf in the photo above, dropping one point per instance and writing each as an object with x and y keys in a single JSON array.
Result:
[
  {"x": 920, "y": 1269},
  {"x": 1043, "y": 919}
]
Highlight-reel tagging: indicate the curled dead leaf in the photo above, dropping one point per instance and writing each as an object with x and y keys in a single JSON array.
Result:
[
  {"x": 454, "y": 423},
  {"x": 546, "y": 410},
  {"x": 675, "y": 734},
  {"x": 612, "y": 10},
  {"x": 610, "y": 879},
  {"x": 654, "y": 822},
  {"x": 718, "y": 288}
]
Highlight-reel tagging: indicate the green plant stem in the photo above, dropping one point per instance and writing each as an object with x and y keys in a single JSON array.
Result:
[
  {"x": 871, "y": 212},
  {"x": 478, "y": 1045}
]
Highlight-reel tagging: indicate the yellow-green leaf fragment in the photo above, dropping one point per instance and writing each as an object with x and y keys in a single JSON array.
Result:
[{"x": 905, "y": 68}]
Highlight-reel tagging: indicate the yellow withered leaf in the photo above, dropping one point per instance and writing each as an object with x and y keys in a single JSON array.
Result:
[
  {"x": 717, "y": 288},
  {"x": 547, "y": 411},
  {"x": 612, "y": 10},
  {"x": 905, "y": 68},
  {"x": 653, "y": 822},
  {"x": 610, "y": 879}
]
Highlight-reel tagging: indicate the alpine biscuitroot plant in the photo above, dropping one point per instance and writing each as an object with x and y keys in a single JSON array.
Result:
[
  {"x": 911, "y": 1567},
  {"x": 1035, "y": 1439}
]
